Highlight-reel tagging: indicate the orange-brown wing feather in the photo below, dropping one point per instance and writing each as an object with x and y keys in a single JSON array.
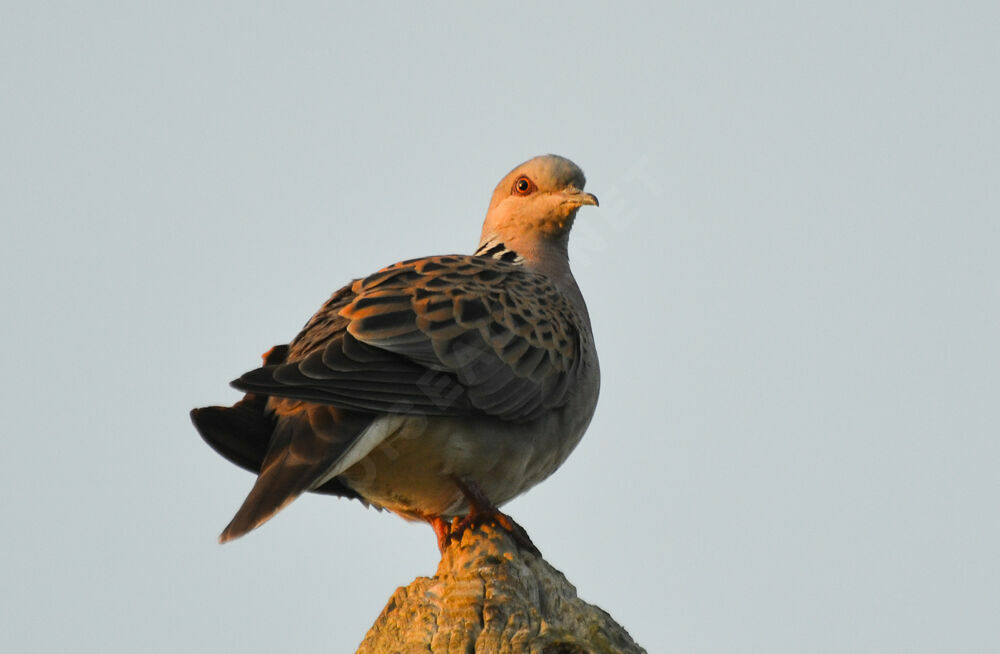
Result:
[{"x": 450, "y": 335}]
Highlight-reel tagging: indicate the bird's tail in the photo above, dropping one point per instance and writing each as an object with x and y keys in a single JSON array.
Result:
[
  {"x": 304, "y": 448},
  {"x": 291, "y": 451},
  {"x": 241, "y": 433}
]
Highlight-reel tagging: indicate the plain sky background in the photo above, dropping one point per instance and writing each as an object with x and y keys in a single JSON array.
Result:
[{"x": 793, "y": 278}]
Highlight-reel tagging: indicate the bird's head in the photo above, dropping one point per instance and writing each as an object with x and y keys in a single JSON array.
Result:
[{"x": 536, "y": 203}]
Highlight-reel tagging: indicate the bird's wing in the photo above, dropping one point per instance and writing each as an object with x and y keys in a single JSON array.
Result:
[{"x": 451, "y": 335}]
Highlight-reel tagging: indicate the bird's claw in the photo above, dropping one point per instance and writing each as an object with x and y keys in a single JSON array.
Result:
[{"x": 482, "y": 512}]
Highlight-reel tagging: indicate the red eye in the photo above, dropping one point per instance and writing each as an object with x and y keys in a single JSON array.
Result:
[{"x": 523, "y": 186}]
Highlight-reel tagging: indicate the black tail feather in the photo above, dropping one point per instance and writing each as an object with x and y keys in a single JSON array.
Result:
[
  {"x": 302, "y": 448},
  {"x": 245, "y": 434},
  {"x": 240, "y": 433}
]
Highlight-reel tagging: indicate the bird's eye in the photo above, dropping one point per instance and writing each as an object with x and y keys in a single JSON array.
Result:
[{"x": 523, "y": 186}]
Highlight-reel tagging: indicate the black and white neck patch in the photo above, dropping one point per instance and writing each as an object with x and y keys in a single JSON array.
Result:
[{"x": 497, "y": 249}]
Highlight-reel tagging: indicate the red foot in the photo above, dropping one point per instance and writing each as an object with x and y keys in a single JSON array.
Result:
[
  {"x": 481, "y": 512},
  {"x": 442, "y": 529}
]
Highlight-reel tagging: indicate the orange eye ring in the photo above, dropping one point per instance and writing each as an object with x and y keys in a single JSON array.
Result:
[{"x": 523, "y": 186}]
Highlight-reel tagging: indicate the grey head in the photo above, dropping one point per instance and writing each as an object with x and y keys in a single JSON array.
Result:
[{"x": 533, "y": 208}]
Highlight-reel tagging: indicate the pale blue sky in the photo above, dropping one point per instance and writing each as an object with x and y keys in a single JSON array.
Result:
[{"x": 793, "y": 278}]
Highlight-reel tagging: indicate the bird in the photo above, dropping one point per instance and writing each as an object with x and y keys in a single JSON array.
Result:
[{"x": 436, "y": 388}]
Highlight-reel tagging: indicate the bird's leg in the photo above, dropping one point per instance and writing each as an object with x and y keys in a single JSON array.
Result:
[
  {"x": 482, "y": 512},
  {"x": 442, "y": 529}
]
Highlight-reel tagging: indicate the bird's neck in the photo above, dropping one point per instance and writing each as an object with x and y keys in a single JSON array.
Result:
[
  {"x": 549, "y": 257},
  {"x": 545, "y": 255},
  {"x": 496, "y": 246}
]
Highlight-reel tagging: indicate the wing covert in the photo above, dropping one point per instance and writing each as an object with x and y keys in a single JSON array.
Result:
[{"x": 450, "y": 335}]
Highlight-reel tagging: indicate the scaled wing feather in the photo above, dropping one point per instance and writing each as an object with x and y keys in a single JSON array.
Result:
[{"x": 451, "y": 335}]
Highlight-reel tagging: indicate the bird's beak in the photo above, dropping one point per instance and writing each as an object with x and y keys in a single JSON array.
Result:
[{"x": 578, "y": 198}]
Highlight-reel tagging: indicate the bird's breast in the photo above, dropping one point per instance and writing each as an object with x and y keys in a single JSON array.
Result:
[{"x": 412, "y": 471}]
